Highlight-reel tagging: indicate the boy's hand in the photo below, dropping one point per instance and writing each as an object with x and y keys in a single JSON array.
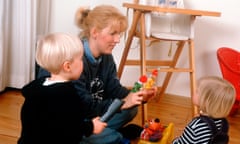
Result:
[{"x": 98, "y": 126}]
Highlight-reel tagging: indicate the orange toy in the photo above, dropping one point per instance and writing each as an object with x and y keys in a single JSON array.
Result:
[
  {"x": 167, "y": 136},
  {"x": 152, "y": 131}
]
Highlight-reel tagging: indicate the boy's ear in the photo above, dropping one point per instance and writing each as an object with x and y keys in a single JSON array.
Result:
[{"x": 66, "y": 66}]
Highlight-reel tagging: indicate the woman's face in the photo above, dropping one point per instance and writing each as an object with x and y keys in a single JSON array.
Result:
[{"x": 107, "y": 38}]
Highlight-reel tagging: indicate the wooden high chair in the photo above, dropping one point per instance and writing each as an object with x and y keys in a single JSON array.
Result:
[{"x": 138, "y": 29}]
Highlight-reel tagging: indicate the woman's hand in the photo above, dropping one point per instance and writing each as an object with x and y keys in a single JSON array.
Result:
[
  {"x": 132, "y": 99},
  {"x": 149, "y": 93},
  {"x": 139, "y": 97},
  {"x": 98, "y": 126}
]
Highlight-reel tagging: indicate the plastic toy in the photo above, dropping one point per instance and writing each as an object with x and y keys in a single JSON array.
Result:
[
  {"x": 153, "y": 131},
  {"x": 151, "y": 81},
  {"x": 167, "y": 136},
  {"x": 145, "y": 82},
  {"x": 113, "y": 108},
  {"x": 139, "y": 84}
]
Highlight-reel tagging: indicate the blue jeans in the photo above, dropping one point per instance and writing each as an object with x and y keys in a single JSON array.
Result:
[{"x": 110, "y": 135}]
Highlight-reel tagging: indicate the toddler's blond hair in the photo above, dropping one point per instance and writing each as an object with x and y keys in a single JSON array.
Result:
[{"x": 216, "y": 96}]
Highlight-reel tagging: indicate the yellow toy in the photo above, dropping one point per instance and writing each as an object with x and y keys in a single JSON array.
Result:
[{"x": 151, "y": 81}]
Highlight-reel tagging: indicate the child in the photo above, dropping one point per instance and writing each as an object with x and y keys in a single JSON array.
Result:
[
  {"x": 52, "y": 111},
  {"x": 215, "y": 98}
]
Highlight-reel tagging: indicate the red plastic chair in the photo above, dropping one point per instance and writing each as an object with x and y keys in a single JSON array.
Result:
[{"x": 229, "y": 61}]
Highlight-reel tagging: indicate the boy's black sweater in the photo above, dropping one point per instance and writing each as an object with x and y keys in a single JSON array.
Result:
[{"x": 53, "y": 114}]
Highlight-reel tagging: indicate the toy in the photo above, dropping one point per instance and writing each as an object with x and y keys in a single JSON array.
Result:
[
  {"x": 153, "y": 131},
  {"x": 145, "y": 82},
  {"x": 167, "y": 136},
  {"x": 151, "y": 80},
  {"x": 139, "y": 84},
  {"x": 113, "y": 108}
]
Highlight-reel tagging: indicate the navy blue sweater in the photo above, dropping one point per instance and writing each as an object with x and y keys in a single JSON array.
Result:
[{"x": 98, "y": 83}]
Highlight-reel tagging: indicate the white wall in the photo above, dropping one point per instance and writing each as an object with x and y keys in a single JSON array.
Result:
[{"x": 210, "y": 34}]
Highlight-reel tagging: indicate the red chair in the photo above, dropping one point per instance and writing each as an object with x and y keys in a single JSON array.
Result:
[{"x": 229, "y": 61}]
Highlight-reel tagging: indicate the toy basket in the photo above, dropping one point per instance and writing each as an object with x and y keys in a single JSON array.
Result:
[
  {"x": 168, "y": 135},
  {"x": 229, "y": 61}
]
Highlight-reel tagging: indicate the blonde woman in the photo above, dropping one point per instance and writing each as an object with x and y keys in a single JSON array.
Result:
[
  {"x": 53, "y": 112},
  {"x": 101, "y": 30},
  {"x": 215, "y": 98}
]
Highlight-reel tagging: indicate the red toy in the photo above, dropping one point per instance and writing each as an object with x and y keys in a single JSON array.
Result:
[
  {"x": 145, "y": 82},
  {"x": 139, "y": 84},
  {"x": 153, "y": 131}
]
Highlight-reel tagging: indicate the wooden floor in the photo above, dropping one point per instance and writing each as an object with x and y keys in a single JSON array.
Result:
[{"x": 169, "y": 109}]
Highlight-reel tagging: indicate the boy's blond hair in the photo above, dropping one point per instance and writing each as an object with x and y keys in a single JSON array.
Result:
[
  {"x": 54, "y": 49},
  {"x": 216, "y": 96}
]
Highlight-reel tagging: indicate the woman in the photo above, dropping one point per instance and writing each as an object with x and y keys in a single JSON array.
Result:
[{"x": 101, "y": 29}]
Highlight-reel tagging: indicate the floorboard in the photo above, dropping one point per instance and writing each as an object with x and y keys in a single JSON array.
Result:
[{"x": 168, "y": 109}]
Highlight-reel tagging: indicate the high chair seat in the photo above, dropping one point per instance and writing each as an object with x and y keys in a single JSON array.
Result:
[{"x": 169, "y": 36}]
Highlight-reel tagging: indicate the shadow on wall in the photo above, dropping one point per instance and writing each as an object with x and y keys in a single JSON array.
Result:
[{"x": 210, "y": 34}]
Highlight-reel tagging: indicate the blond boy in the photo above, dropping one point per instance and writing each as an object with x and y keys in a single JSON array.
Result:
[{"x": 52, "y": 104}]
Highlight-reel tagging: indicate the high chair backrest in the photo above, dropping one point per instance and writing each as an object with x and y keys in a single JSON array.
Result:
[{"x": 166, "y": 22}]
